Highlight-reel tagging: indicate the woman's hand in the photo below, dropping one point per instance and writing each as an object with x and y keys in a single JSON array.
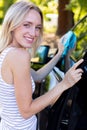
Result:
[{"x": 73, "y": 75}]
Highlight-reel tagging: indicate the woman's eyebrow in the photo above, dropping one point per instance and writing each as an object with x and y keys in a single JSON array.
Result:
[{"x": 30, "y": 22}]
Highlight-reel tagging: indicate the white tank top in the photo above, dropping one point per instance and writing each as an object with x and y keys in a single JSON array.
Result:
[{"x": 11, "y": 118}]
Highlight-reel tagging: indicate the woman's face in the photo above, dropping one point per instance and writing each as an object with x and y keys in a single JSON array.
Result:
[{"x": 29, "y": 31}]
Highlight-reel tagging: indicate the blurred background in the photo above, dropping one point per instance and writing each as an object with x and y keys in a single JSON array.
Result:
[{"x": 60, "y": 16}]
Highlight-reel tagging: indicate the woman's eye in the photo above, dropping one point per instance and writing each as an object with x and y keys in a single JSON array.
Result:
[
  {"x": 38, "y": 28},
  {"x": 27, "y": 25}
]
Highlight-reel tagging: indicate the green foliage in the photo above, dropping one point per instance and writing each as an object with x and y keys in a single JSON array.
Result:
[
  {"x": 81, "y": 32},
  {"x": 47, "y": 6},
  {"x": 79, "y": 8},
  {"x": 83, "y": 4},
  {"x": 36, "y": 66},
  {"x": 4, "y": 5},
  {"x": 47, "y": 83},
  {"x": 1, "y": 12}
]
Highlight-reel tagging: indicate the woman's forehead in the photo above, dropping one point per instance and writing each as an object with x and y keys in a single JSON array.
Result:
[{"x": 33, "y": 16}]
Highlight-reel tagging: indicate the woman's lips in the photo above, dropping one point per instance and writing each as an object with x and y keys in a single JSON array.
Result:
[{"x": 30, "y": 40}]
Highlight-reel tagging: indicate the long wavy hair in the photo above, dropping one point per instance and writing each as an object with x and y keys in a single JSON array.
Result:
[{"x": 13, "y": 18}]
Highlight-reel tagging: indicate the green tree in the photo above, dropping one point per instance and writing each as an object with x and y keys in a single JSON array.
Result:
[{"x": 4, "y": 4}]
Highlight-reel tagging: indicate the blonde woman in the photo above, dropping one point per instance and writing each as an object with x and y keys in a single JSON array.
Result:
[{"x": 22, "y": 29}]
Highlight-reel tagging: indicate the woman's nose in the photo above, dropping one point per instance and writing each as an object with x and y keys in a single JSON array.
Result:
[{"x": 32, "y": 31}]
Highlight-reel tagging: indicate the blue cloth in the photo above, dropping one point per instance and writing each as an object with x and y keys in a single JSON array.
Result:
[{"x": 68, "y": 40}]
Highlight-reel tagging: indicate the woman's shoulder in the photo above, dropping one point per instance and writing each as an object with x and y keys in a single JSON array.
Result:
[{"x": 18, "y": 55}]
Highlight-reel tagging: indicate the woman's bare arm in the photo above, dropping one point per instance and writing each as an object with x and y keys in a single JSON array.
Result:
[
  {"x": 46, "y": 69},
  {"x": 23, "y": 86}
]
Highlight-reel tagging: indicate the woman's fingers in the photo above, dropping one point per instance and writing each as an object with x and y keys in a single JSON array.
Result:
[
  {"x": 77, "y": 64},
  {"x": 75, "y": 72},
  {"x": 73, "y": 75}
]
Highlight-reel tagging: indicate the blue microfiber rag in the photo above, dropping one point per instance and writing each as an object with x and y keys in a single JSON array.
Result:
[{"x": 68, "y": 40}]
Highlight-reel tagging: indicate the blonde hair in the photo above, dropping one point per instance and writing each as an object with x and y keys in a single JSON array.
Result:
[{"x": 13, "y": 19}]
